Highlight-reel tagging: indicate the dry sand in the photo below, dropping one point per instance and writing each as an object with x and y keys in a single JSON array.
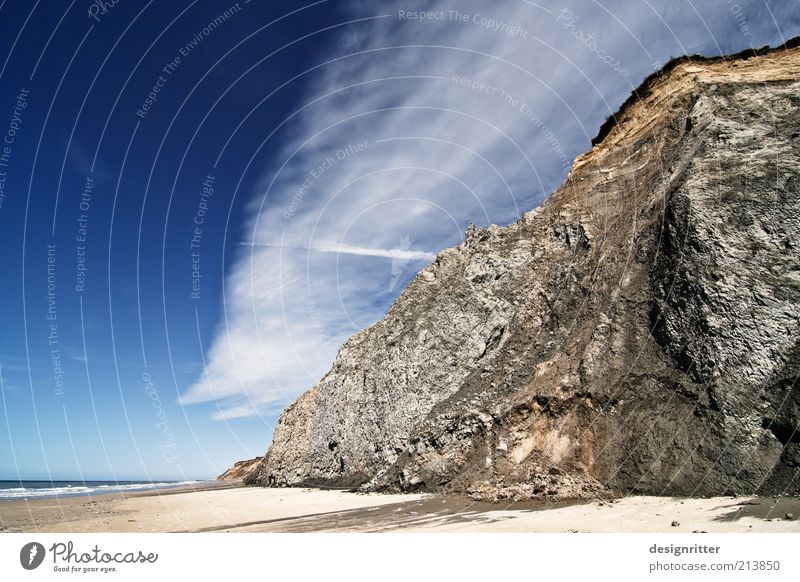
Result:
[{"x": 244, "y": 509}]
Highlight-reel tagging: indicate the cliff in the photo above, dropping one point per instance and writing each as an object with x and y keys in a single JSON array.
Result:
[
  {"x": 638, "y": 332},
  {"x": 240, "y": 470}
]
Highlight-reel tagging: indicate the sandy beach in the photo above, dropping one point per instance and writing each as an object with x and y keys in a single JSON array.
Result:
[{"x": 232, "y": 508}]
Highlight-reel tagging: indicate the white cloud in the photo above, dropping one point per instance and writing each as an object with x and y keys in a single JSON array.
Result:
[
  {"x": 401, "y": 254},
  {"x": 396, "y": 253},
  {"x": 413, "y": 131}
]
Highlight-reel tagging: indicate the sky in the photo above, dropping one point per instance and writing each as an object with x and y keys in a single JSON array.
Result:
[{"x": 200, "y": 201}]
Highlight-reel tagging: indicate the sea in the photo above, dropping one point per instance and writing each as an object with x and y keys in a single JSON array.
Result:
[{"x": 44, "y": 489}]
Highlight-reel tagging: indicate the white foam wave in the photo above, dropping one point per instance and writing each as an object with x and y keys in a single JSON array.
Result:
[{"x": 69, "y": 490}]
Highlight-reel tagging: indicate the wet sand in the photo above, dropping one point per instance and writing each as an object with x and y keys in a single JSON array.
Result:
[{"x": 225, "y": 507}]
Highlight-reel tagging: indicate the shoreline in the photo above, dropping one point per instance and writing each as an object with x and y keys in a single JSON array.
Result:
[
  {"x": 225, "y": 506},
  {"x": 157, "y": 490}
]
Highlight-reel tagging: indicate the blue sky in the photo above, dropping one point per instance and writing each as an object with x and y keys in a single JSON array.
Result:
[{"x": 200, "y": 201}]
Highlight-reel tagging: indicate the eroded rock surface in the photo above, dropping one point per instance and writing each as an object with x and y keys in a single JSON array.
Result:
[
  {"x": 240, "y": 470},
  {"x": 639, "y": 332}
]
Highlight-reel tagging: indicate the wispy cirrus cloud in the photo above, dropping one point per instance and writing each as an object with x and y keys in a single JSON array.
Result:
[
  {"x": 399, "y": 253},
  {"x": 415, "y": 128}
]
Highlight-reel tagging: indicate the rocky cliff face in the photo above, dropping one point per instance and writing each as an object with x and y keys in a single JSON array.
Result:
[{"x": 639, "y": 332}]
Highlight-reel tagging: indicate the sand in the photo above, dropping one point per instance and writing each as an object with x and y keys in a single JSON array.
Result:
[{"x": 225, "y": 508}]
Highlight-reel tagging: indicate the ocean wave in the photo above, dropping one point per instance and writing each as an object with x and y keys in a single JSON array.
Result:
[{"x": 71, "y": 490}]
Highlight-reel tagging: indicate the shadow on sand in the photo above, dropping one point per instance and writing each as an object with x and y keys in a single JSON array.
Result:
[
  {"x": 767, "y": 508},
  {"x": 396, "y": 516}
]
